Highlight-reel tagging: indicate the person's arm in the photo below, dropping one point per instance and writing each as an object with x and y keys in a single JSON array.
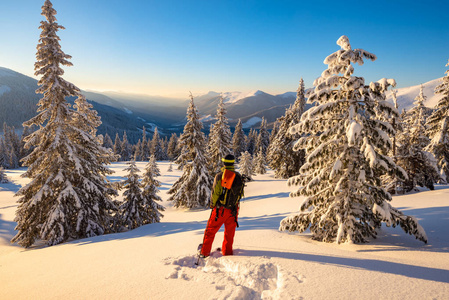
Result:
[{"x": 216, "y": 191}]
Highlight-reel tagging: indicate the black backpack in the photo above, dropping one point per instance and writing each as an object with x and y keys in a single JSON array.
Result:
[{"x": 230, "y": 197}]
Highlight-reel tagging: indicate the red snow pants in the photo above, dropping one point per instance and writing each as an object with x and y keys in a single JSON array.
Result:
[{"x": 213, "y": 225}]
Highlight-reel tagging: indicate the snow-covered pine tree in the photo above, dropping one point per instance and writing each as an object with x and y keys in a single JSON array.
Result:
[
  {"x": 283, "y": 159},
  {"x": 3, "y": 177},
  {"x": 107, "y": 142},
  {"x": 263, "y": 139},
  {"x": 136, "y": 150},
  {"x": 345, "y": 147},
  {"x": 420, "y": 165},
  {"x": 117, "y": 148},
  {"x": 438, "y": 129},
  {"x": 156, "y": 147},
  {"x": 126, "y": 148},
  {"x": 219, "y": 144},
  {"x": 134, "y": 210},
  {"x": 259, "y": 163},
  {"x": 251, "y": 140},
  {"x": 3, "y": 156},
  {"x": 63, "y": 200},
  {"x": 273, "y": 133},
  {"x": 150, "y": 186},
  {"x": 246, "y": 167},
  {"x": 170, "y": 167},
  {"x": 238, "y": 140},
  {"x": 94, "y": 191},
  {"x": 172, "y": 148},
  {"x": 193, "y": 188},
  {"x": 12, "y": 146},
  {"x": 144, "y": 152}
]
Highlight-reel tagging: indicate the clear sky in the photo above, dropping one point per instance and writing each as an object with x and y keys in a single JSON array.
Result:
[{"x": 171, "y": 47}]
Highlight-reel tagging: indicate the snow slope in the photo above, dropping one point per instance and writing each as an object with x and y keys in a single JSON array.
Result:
[
  {"x": 157, "y": 261},
  {"x": 406, "y": 96}
]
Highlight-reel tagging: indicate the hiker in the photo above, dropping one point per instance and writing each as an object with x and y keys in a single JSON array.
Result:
[{"x": 224, "y": 202}]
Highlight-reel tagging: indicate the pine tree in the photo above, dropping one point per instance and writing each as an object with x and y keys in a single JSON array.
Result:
[
  {"x": 219, "y": 144},
  {"x": 126, "y": 148},
  {"x": 438, "y": 129},
  {"x": 3, "y": 178},
  {"x": 263, "y": 139},
  {"x": 283, "y": 159},
  {"x": 273, "y": 133},
  {"x": 117, "y": 148},
  {"x": 144, "y": 153},
  {"x": 259, "y": 163},
  {"x": 3, "y": 155},
  {"x": 420, "y": 165},
  {"x": 345, "y": 145},
  {"x": 156, "y": 147},
  {"x": 238, "y": 140},
  {"x": 150, "y": 187},
  {"x": 57, "y": 203},
  {"x": 107, "y": 142},
  {"x": 172, "y": 148},
  {"x": 246, "y": 167},
  {"x": 193, "y": 188},
  {"x": 250, "y": 141},
  {"x": 12, "y": 147},
  {"x": 136, "y": 152}
]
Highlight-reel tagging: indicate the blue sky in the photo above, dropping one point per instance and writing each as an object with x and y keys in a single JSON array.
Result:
[{"x": 172, "y": 47}]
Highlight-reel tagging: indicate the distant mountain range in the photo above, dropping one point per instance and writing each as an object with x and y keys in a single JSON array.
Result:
[{"x": 120, "y": 112}]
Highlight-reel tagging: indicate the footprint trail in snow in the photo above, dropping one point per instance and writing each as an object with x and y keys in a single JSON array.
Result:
[{"x": 234, "y": 278}]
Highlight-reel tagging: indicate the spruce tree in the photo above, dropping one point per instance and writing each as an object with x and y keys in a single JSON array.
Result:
[
  {"x": 346, "y": 146},
  {"x": 107, "y": 142},
  {"x": 172, "y": 148},
  {"x": 144, "y": 153},
  {"x": 219, "y": 144},
  {"x": 238, "y": 140},
  {"x": 3, "y": 178},
  {"x": 193, "y": 188},
  {"x": 150, "y": 186},
  {"x": 283, "y": 159},
  {"x": 125, "y": 148},
  {"x": 259, "y": 163},
  {"x": 3, "y": 156},
  {"x": 438, "y": 129},
  {"x": 420, "y": 165},
  {"x": 156, "y": 147},
  {"x": 132, "y": 211},
  {"x": 246, "y": 167},
  {"x": 67, "y": 196},
  {"x": 117, "y": 148},
  {"x": 251, "y": 140},
  {"x": 263, "y": 139}
]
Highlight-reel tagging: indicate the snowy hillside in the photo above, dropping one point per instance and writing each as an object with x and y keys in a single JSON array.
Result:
[
  {"x": 156, "y": 261},
  {"x": 406, "y": 96}
]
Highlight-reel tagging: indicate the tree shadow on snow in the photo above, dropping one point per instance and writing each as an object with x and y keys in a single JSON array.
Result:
[
  {"x": 7, "y": 231},
  {"x": 149, "y": 230},
  {"x": 434, "y": 220},
  {"x": 10, "y": 187},
  {"x": 426, "y": 273},
  {"x": 259, "y": 197},
  {"x": 167, "y": 228}
]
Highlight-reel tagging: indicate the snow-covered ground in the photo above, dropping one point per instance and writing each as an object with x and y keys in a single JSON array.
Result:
[{"x": 157, "y": 261}]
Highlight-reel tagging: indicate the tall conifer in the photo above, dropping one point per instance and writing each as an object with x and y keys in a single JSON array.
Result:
[
  {"x": 219, "y": 144},
  {"x": 193, "y": 188},
  {"x": 346, "y": 146},
  {"x": 438, "y": 129},
  {"x": 67, "y": 196}
]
